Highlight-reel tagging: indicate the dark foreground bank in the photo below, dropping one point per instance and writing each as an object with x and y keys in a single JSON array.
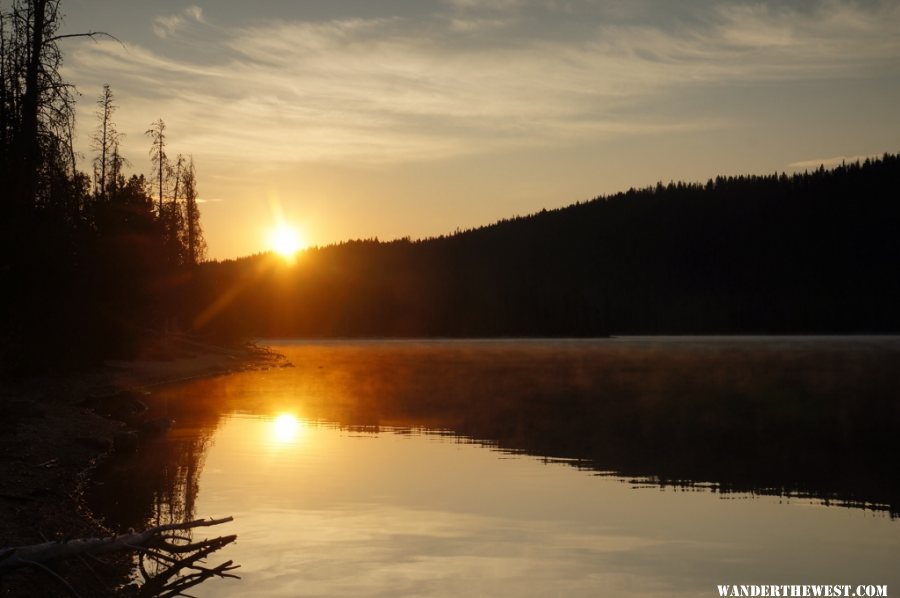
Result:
[{"x": 55, "y": 430}]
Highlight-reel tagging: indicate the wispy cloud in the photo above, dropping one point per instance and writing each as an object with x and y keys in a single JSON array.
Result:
[
  {"x": 486, "y": 4},
  {"x": 478, "y": 25},
  {"x": 829, "y": 162},
  {"x": 394, "y": 89},
  {"x": 168, "y": 26}
]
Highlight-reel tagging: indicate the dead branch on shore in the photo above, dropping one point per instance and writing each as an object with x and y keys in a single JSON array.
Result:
[{"x": 175, "y": 558}]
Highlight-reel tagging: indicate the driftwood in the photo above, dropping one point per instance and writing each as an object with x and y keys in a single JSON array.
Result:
[{"x": 169, "y": 552}]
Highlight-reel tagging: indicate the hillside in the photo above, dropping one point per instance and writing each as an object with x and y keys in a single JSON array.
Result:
[{"x": 806, "y": 253}]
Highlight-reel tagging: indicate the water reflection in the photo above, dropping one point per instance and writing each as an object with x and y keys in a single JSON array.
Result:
[
  {"x": 361, "y": 457},
  {"x": 286, "y": 429},
  {"x": 806, "y": 417},
  {"x": 159, "y": 484}
]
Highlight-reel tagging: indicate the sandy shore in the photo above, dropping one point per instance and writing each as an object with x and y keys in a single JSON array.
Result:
[{"x": 52, "y": 436}]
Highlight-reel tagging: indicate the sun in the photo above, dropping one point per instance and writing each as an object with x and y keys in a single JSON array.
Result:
[{"x": 285, "y": 240}]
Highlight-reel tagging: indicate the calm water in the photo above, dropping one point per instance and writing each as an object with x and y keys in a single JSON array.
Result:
[{"x": 531, "y": 468}]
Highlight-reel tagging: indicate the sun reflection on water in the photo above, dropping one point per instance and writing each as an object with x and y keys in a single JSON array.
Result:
[{"x": 286, "y": 429}]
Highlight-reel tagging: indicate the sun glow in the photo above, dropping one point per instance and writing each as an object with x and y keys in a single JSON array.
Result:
[
  {"x": 286, "y": 429},
  {"x": 285, "y": 240}
]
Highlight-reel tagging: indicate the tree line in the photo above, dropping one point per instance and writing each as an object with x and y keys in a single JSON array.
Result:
[
  {"x": 93, "y": 261},
  {"x": 97, "y": 262},
  {"x": 812, "y": 252}
]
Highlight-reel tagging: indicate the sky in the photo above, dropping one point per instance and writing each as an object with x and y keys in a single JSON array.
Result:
[{"x": 368, "y": 118}]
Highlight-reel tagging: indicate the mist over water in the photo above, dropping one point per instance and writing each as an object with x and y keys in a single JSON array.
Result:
[{"x": 636, "y": 466}]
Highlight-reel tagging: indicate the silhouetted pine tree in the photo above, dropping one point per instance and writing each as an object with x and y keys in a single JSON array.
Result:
[{"x": 87, "y": 273}]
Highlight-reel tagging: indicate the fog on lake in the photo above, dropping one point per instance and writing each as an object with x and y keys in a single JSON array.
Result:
[{"x": 633, "y": 466}]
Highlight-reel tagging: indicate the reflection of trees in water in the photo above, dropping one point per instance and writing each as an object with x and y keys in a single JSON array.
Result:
[
  {"x": 808, "y": 418},
  {"x": 158, "y": 484},
  {"x": 181, "y": 462}
]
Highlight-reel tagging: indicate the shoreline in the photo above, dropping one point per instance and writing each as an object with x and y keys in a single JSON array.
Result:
[{"x": 53, "y": 436}]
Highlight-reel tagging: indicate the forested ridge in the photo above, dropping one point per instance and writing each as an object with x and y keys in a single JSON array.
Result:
[
  {"x": 96, "y": 264},
  {"x": 92, "y": 263},
  {"x": 812, "y": 252}
]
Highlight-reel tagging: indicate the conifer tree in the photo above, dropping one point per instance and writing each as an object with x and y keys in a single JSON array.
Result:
[
  {"x": 104, "y": 140},
  {"x": 194, "y": 242},
  {"x": 158, "y": 157}
]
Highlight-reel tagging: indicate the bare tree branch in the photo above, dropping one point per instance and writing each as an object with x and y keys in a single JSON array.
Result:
[
  {"x": 90, "y": 34},
  {"x": 38, "y": 553}
]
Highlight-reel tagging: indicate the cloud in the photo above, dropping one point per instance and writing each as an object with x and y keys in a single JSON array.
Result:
[
  {"x": 495, "y": 5},
  {"x": 829, "y": 162},
  {"x": 195, "y": 12},
  {"x": 831, "y": 31},
  {"x": 397, "y": 89},
  {"x": 168, "y": 26},
  {"x": 478, "y": 25},
  {"x": 566, "y": 6}
]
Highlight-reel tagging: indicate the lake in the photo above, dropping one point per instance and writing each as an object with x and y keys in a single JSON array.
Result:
[{"x": 627, "y": 467}]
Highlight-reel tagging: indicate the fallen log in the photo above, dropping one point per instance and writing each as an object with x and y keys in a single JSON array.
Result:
[{"x": 171, "y": 552}]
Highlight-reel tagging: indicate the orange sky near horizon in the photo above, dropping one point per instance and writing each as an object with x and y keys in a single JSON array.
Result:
[{"x": 391, "y": 119}]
